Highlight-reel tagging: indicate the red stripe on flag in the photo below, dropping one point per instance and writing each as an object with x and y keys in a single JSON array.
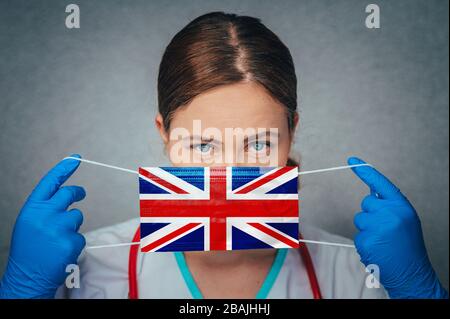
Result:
[
  {"x": 264, "y": 180},
  {"x": 169, "y": 236},
  {"x": 218, "y": 195},
  {"x": 276, "y": 235},
  {"x": 161, "y": 181},
  {"x": 231, "y": 208}
]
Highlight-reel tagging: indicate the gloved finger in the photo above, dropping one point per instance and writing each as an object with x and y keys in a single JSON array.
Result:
[
  {"x": 66, "y": 196},
  {"x": 78, "y": 242},
  {"x": 74, "y": 218},
  {"x": 361, "y": 241},
  {"x": 50, "y": 183},
  {"x": 376, "y": 181},
  {"x": 370, "y": 203},
  {"x": 70, "y": 220},
  {"x": 363, "y": 220},
  {"x": 358, "y": 239}
]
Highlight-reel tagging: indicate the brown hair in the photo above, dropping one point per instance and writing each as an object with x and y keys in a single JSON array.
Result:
[{"x": 217, "y": 49}]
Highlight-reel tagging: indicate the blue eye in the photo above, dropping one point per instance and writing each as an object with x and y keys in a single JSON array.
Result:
[
  {"x": 258, "y": 146},
  {"x": 204, "y": 147}
]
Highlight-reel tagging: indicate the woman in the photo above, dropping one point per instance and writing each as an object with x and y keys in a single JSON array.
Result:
[{"x": 227, "y": 71}]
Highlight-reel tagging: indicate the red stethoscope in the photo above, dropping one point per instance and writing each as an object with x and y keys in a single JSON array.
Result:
[{"x": 133, "y": 257}]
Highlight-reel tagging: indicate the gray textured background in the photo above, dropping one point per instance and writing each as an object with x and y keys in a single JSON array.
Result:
[{"x": 379, "y": 94}]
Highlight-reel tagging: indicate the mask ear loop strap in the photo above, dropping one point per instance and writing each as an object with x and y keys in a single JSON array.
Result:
[
  {"x": 300, "y": 173},
  {"x": 333, "y": 168},
  {"x": 102, "y": 164}
]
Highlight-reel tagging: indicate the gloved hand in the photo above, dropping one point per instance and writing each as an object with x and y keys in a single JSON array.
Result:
[
  {"x": 45, "y": 238},
  {"x": 391, "y": 237}
]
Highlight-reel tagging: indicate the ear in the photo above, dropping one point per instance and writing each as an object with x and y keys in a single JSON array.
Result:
[
  {"x": 159, "y": 122},
  {"x": 296, "y": 121}
]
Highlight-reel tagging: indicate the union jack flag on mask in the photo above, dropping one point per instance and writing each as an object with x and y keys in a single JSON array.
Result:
[{"x": 218, "y": 208}]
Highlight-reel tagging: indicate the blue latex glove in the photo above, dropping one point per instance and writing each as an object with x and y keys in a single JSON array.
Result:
[
  {"x": 45, "y": 237},
  {"x": 390, "y": 236}
]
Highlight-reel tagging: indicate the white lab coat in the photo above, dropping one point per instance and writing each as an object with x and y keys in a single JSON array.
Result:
[{"x": 104, "y": 272}]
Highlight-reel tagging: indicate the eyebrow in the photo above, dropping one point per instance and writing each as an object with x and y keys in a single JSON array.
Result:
[
  {"x": 267, "y": 132},
  {"x": 202, "y": 138},
  {"x": 268, "y": 135}
]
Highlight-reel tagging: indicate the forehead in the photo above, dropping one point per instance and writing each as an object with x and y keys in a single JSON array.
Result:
[{"x": 241, "y": 105}]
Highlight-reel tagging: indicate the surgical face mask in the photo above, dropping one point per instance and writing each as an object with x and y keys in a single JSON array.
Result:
[{"x": 218, "y": 208}]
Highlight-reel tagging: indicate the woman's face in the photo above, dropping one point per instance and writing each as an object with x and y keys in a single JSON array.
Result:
[{"x": 232, "y": 125}]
